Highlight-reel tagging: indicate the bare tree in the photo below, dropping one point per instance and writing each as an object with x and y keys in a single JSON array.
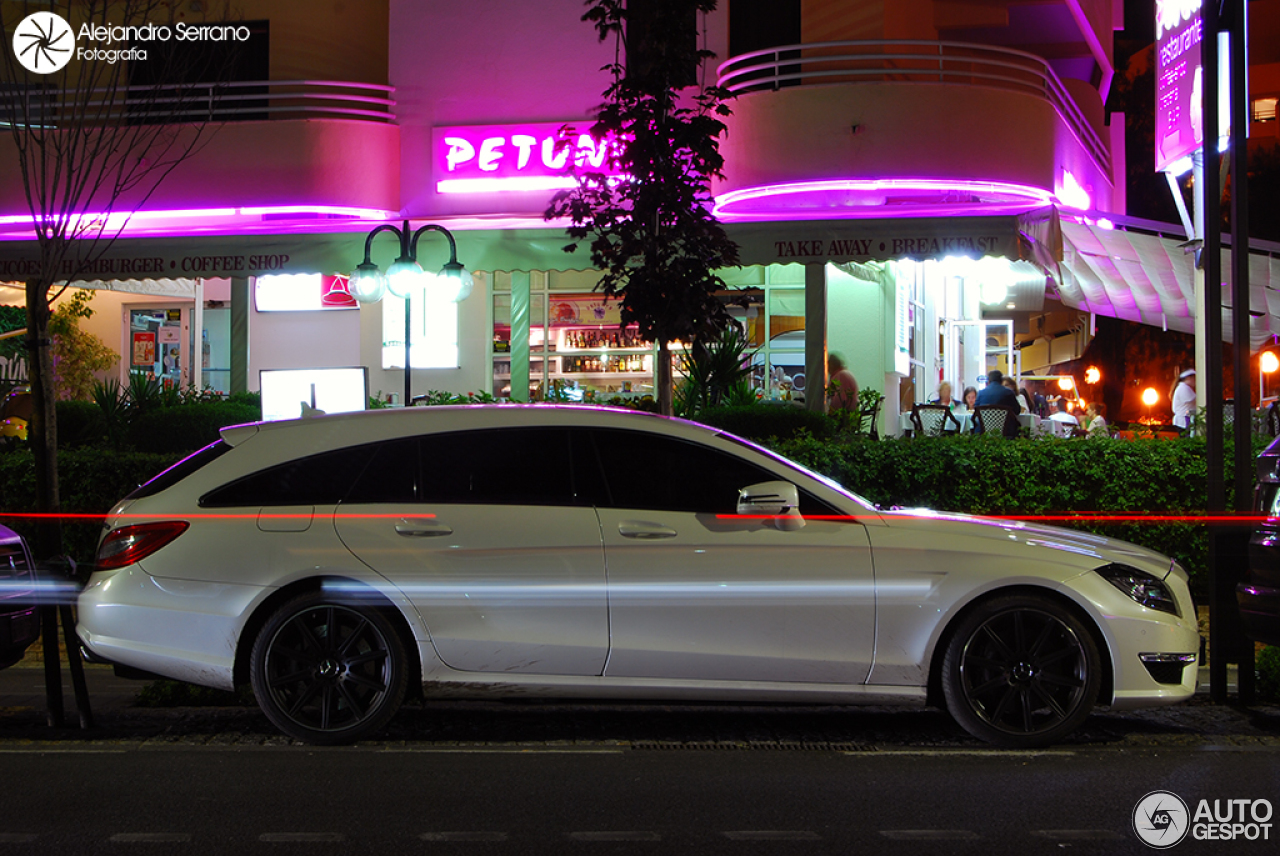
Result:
[{"x": 91, "y": 149}]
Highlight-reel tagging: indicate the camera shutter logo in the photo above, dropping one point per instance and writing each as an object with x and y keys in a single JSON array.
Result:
[
  {"x": 1161, "y": 819},
  {"x": 44, "y": 42}
]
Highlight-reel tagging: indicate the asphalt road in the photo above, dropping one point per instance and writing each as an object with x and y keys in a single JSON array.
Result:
[
  {"x": 496, "y": 778},
  {"x": 599, "y": 799}
]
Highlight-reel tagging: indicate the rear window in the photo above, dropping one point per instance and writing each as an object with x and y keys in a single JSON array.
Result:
[
  {"x": 322, "y": 479},
  {"x": 182, "y": 469}
]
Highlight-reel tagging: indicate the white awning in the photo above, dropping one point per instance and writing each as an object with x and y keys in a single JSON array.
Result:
[{"x": 1149, "y": 278}]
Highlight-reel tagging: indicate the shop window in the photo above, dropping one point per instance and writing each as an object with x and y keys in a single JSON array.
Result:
[
  {"x": 1264, "y": 109},
  {"x": 434, "y": 332}
]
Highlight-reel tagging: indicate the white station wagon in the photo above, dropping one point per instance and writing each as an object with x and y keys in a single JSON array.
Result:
[{"x": 333, "y": 562}]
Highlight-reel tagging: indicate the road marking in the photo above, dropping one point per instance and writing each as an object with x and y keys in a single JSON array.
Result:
[
  {"x": 984, "y": 753},
  {"x": 615, "y": 836},
  {"x": 498, "y": 750},
  {"x": 152, "y": 837},
  {"x": 1079, "y": 834},
  {"x": 930, "y": 834},
  {"x": 302, "y": 836},
  {"x": 773, "y": 835},
  {"x": 17, "y": 837},
  {"x": 36, "y": 750},
  {"x": 463, "y": 836}
]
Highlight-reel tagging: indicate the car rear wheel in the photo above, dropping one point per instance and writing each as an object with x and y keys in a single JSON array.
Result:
[
  {"x": 327, "y": 671},
  {"x": 1021, "y": 671}
]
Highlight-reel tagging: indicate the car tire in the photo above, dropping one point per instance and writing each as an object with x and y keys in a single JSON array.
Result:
[
  {"x": 1021, "y": 671},
  {"x": 327, "y": 670}
]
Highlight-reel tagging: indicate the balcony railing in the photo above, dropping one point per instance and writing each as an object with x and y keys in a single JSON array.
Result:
[
  {"x": 952, "y": 63},
  {"x": 238, "y": 101}
]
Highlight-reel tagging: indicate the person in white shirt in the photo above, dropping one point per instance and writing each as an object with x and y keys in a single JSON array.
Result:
[
  {"x": 1097, "y": 423},
  {"x": 1065, "y": 422},
  {"x": 1184, "y": 400}
]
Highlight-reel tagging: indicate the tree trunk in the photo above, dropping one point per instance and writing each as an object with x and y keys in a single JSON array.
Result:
[
  {"x": 662, "y": 378},
  {"x": 42, "y": 431}
]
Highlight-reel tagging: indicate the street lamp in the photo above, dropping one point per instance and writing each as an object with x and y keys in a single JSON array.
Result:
[{"x": 406, "y": 276}]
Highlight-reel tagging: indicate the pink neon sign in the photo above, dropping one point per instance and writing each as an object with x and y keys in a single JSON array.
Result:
[{"x": 489, "y": 158}]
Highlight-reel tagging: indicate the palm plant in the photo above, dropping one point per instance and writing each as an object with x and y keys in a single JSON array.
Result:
[{"x": 717, "y": 373}]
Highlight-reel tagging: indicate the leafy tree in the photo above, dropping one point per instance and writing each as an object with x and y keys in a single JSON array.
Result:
[
  {"x": 87, "y": 145},
  {"x": 77, "y": 354},
  {"x": 652, "y": 232}
]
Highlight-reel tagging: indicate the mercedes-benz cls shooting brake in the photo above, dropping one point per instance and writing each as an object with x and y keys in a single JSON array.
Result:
[{"x": 577, "y": 552}]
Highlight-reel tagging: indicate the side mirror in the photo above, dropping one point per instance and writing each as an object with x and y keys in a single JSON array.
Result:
[{"x": 777, "y": 499}]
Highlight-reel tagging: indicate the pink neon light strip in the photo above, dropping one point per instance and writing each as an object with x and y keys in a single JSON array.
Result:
[
  {"x": 211, "y": 213},
  {"x": 1010, "y": 192}
]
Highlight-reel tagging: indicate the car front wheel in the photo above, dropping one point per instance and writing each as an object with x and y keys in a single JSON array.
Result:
[
  {"x": 1021, "y": 671},
  {"x": 328, "y": 672}
]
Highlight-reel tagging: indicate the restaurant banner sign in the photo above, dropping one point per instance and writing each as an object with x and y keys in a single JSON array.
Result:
[{"x": 1032, "y": 236}]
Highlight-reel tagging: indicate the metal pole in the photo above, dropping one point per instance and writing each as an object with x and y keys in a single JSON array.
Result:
[
  {"x": 408, "y": 315},
  {"x": 1240, "y": 309},
  {"x": 1212, "y": 380}
]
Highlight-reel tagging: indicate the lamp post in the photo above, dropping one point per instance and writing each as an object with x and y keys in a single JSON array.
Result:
[{"x": 405, "y": 276}]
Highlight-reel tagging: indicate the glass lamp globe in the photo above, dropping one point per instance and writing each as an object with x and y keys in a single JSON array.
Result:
[
  {"x": 405, "y": 277},
  {"x": 367, "y": 283},
  {"x": 455, "y": 282}
]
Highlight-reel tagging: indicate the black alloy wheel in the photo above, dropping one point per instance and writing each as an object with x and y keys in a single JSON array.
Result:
[
  {"x": 328, "y": 672},
  {"x": 1021, "y": 671}
]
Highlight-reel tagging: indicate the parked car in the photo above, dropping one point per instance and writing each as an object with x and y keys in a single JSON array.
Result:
[
  {"x": 19, "y": 620},
  {"x": 574, "y": 552},
  {"x": 1259, "y": 595}
]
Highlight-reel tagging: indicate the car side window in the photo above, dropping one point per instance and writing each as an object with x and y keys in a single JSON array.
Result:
[
  {"x": 643, "y": 470},
  {"x": 508, "y": 466},
  {"x": 394, "y": 475},
  {"x": 322, "y": 479}
]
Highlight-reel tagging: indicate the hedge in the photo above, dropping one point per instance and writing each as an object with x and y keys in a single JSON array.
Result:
[
  {"x": 990, "y": 475},
  {"x": 90, "y": 481}
]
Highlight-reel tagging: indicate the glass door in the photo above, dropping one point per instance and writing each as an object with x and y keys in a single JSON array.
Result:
[
  {"x": 976, "y": 347},
  {"x": 159, "y": 344}
]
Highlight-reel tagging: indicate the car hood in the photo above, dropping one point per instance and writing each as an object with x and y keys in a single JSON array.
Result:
[{"x": 1092, "y": 550}]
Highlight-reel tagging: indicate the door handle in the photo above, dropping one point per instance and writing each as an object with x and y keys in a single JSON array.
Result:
[
  {"x": 643, "y": 529},
  {"x": 422, "y": 529}
]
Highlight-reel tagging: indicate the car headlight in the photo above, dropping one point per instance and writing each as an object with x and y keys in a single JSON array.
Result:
[{"x": 1141, "y": 587}]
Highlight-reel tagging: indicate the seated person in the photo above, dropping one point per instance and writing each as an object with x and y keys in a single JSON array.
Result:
[
  {"x": 996, "y": 393},
  {"x": 1096, "y": 421},
  {"x": 944, "y": 396},
  {"x": 970, "y": 398},
  {"x": 1066, "y": 422}
]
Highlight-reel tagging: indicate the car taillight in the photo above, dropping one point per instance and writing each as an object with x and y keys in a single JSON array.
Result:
[{"x": 130, "y": 544}]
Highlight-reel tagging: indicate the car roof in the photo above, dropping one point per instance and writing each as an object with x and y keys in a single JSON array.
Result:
[{"x": 340, "y": 429}]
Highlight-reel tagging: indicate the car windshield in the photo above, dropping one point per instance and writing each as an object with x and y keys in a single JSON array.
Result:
[{"x": 790, "y": 464}]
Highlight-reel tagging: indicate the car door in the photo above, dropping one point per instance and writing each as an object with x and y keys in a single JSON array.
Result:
[
  {"x": 697, "y": 592},
  {"x": 483, "y": 532}
]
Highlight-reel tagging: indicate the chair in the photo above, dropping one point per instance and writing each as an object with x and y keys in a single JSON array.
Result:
[
  {"x": 868, "y": 416},
  {"x": 995, "y": 418},
  {"x": 934, "y": 420},
  {"x": 1272, "y": 422}
]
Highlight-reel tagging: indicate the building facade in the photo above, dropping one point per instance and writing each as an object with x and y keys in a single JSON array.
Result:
[{"x": 899, "y": 176}]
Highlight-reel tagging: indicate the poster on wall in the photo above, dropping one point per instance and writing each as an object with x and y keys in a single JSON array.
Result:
[{"x": 144, "y": 349}]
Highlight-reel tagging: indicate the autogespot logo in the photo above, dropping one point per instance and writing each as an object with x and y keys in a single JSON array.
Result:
[
  {"x": 1160, "y": 819},
  {"x": 44, "y": 42}
]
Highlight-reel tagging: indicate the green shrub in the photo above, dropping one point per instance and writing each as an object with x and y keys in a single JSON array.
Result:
[
  {"x": 762, "y": 421},
  {"x": 80, "y": 423},
  {"x": 91, "y": 481},
  {"x": 1267, "y": 664},
  {"x": 187, "y": 427},
  {"x": 166, "y": 693}
]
